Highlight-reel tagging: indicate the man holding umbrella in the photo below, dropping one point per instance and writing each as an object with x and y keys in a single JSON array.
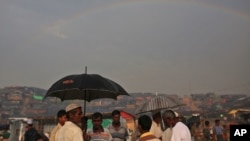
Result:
[
  {"x": 180, "y": 131},
  {"x": 156, "y": 124},
  {"x": 71, "y": 131}
]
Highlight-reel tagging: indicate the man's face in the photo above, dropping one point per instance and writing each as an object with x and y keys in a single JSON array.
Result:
[
  {"x": 139, "y": 128},
  {"x": 76, "y": 118},
  {"x": 218, "y": 123},
  {"x": 168, "y": 122},
  {"x": 62, "y": 119},
  {"x": 97, "y": 122},
  {"x": 157, "y": 117},
  {"x": 116, "y": 118}
]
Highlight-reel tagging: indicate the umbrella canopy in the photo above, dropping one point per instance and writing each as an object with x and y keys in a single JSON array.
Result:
[
  {"x": 158, "y": 103},
  {"x": 126, "y": 116},
  {"x": 85, "y": 87}
]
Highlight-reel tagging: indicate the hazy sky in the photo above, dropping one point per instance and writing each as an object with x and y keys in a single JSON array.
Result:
[{"x": 164, "y": 46}]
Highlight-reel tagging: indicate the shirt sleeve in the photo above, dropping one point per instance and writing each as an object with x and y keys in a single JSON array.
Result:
[
  {"x": 53, "y": 133},
  {"x": 110, "y": 136},
  {"x": 175, "y": 136},
  {"x": 180, "y": 133},
  {"x": 78, "y": 136}
]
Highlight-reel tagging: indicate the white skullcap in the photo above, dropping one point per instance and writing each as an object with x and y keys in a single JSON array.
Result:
[
  {"x": 176, "y": 114},
  {"x": 72, "y": 106},
  {"x": 196, "y": 114},
  {"x": 29, "y": 121}
]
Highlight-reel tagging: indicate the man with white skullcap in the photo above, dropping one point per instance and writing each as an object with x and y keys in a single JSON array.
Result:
[
  {"x": 71, "y": 130},
  {"x": 31, "y": 133},
  {"x": 180, "y": 131},
  {"x": 156, "y": 124},
  {"x": 168, "y": 117}
]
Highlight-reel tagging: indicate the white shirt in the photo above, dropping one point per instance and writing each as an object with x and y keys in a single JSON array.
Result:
[
  {"x": 180, "y": 132},
  {"x": 69, "y": 132},
  {"x": 54, "y": 131},
  {"x": 156, "y": 129},
  {"x": 167, "y": 134}
]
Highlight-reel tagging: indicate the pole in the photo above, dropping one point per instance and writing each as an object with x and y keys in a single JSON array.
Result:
[{"x": 85, "y": 93}]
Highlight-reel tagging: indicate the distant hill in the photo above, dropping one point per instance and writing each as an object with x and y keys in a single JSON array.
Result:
[
  {"x": 25, "y": 101},
  {"x": 22, "y": 101}
]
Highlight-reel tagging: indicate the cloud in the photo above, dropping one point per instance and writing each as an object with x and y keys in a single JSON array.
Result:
[
  {"x": 147, "y": 46},
  {"x": 56, "y": 31}
]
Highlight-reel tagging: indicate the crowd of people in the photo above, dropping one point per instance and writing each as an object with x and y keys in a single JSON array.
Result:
[{"x": 166, "y": 126}]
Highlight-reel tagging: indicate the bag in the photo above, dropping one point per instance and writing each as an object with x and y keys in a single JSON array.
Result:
[{"x": 207, "y": 133}]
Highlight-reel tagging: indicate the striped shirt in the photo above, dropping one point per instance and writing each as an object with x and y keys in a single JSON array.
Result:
[
  {"x": 102, "y": 136},
  {"x": 120, "y": 134}
]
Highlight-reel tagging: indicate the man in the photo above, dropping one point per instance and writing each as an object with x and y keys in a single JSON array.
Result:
[
  {"x": 156, "y": 124},
  {"x": 117, "y": 130},
  {"x": 71, "y": 131},
  {"x": 61, "y": 119},
  {"x": 98, "y": 132},
  {"x": 144, "y": 124},
  {"x": 84, "y": 126},
  {"x": 218, "y": 131},
  {"x": 180, "y": 131},
  {"x": 31, "y": 133},
  {"x": 168, "y": 118},
  {"x": 208, "y": 132}
]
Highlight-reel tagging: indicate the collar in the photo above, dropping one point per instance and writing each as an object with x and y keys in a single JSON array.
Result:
[
  {"x": 59, "y": 125},
  {"x": 95, "y": 130},
  {"x": 153, "y": 122},
  {"x": 146, "y": 134},
  {"x": 70, "y": 122},
  {"x": 117, "y": 124}
]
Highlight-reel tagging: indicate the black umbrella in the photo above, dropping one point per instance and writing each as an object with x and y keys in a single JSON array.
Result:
[{"x": 85, "y": 87}]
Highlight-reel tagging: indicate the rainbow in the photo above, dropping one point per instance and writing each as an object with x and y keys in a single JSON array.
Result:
[{"x": 116, "y": 5}]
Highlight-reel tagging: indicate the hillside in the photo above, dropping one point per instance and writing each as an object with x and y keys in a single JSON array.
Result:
[{"x": 27, "y": 102}]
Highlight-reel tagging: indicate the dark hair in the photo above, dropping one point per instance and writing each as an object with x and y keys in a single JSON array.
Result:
[
  {"x": 97, "y": 115},
  {"x": 61, "y": 113},
  {"x": 116, "y": 112},
  {"x": 169, "y": 114},
  {"x": 217, "y": 120},
  {"x": 206, "y": 122},
  {"x": 145, "y": 122}
]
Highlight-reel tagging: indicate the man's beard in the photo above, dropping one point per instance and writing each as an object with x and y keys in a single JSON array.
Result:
[
  {"x": 116, "y": 122},
  {"x": 96, "y": 128}
]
